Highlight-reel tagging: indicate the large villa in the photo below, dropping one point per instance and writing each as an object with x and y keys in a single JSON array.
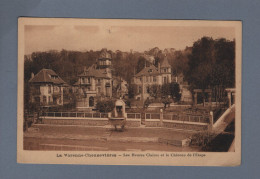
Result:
[{"x": 96, "y": 82}]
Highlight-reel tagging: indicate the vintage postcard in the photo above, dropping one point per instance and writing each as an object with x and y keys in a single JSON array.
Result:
[{"x": 129, "y": 92}]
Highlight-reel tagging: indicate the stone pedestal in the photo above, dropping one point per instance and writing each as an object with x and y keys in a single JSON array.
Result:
[
  {"x": 210, "y": 96},
  {"x": 161, "y": 117},
  {"x": 195, "y": 98},
  {"x": 210, "y": 121},
  {"x": 229, "y": 99}
]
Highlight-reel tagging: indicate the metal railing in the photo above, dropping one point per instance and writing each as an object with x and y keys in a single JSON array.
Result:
[
  {"x": 187, "y": 118},
  {"x": 152, "y": 115},
  {"x": 74, "y": 114},
  {"x": 179, "y": 117},
  {"x": 134, "y": 115}
]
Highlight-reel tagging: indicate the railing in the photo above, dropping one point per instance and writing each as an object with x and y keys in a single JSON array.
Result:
[
  {"x": 179, "y": 117},
  {"x": 187, "y": 118},
  {"x": 133, "y": 115},
  {"x": 74, "y": 114},
  {"x": 152, "y": 116}
]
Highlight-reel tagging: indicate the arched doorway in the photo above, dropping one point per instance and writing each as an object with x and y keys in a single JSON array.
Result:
[{"x": 91, "y": 101}]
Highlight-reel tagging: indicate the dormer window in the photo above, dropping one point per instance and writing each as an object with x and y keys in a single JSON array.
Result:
[
  {"x": 150, "y": 70},
  {"x": 54, "y": 76}
]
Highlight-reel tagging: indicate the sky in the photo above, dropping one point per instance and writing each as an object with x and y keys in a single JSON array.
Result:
[{"x": 124, "y": 38}]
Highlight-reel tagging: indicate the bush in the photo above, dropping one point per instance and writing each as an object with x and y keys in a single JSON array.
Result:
[
  {"x": 105, "y": 105},
  {"x": 166, "y": 101},
  {"x": 202, "y": 139},
  {"x": 128, "y": 102},
  {"x": 147, "y": 102}
]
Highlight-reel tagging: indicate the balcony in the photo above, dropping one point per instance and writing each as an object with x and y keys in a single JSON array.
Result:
[{"x": 85, "y": 84}]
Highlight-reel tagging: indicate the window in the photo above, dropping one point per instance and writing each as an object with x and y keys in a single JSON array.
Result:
[
  {"x": 49, "y": 89},
  {"x": 150, "y": 70},
  {"x": 154, "y": 79},
  {"x": 91, "y": 101},
  {"x": 165, "y": 80},
  {"x": 139, "y": 89},
  {"x": 44, "y": 100},
  {"x": 147, "y": 79},
  {"x": 165, "y": 70}
]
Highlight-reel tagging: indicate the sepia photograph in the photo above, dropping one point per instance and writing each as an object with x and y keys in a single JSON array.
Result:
[{"x": 129, "y": 92}]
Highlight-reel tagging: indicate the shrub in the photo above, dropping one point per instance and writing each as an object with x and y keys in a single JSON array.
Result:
[
  {"x": 166, "y": 101},
  {"x": 105, "y": 105},
  {"x": 128, "y": 102},
  {"x": 147, "y": 102},
  {"x": 202, "y": 139}
]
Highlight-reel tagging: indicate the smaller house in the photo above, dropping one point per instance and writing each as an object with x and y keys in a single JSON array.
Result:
[
  {"x": 151, "y": 75},
  {"x": 46, "y": 88}
]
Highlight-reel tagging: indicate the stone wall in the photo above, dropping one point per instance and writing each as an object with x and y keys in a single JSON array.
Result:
[
  {"x": 185, "y": 126},
  {"x": 87, "y": 122},
  {"x": 152, "y": 123},
  {"x": 133, "y": 122}
]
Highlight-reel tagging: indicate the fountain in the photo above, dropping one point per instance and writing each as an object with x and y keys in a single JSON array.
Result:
[{"x": 118, "y": 118}]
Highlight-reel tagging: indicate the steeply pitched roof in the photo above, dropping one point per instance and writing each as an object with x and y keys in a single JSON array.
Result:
[
  {"x": 77, "y": 83},
  {"x": 149, "y": 58},
  {"x": 44, "y": 76},
  {"x": 165, "y": 63},
  {"x": 104, "y": 54},
  {"x": 147, "y": 71},
  {"x": 92, "y": 72}
]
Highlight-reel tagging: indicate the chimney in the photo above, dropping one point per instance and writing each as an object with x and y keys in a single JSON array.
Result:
[{"x": 32, "y": 75}]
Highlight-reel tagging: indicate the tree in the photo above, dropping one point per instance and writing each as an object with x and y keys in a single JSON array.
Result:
[
  {"x": 154, "y": 91},
  {"x": 165, "y": 90},
  {"x": 211, "y": 65},
  {"x": 132, "y": 90},
  {"x": 175, "y": 91},
  {"x": 140, "y": 64}
]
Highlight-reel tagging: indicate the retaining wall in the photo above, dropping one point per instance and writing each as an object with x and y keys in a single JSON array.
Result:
[
  {"x": 152, "y": 123},
  {"x": 186, "y": 126},
  {"x": 71, "y": 121},
  {"x": 133, "y": 122}
]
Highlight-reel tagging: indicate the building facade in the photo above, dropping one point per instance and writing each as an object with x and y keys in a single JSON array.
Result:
[
  {"x": 94, "y": 82},
  {"x": 46, "y": 88},
  {"x": 151, "y": 75}
]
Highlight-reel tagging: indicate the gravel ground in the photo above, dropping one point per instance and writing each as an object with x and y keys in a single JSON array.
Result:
[{"x": 50, "y": 137}]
